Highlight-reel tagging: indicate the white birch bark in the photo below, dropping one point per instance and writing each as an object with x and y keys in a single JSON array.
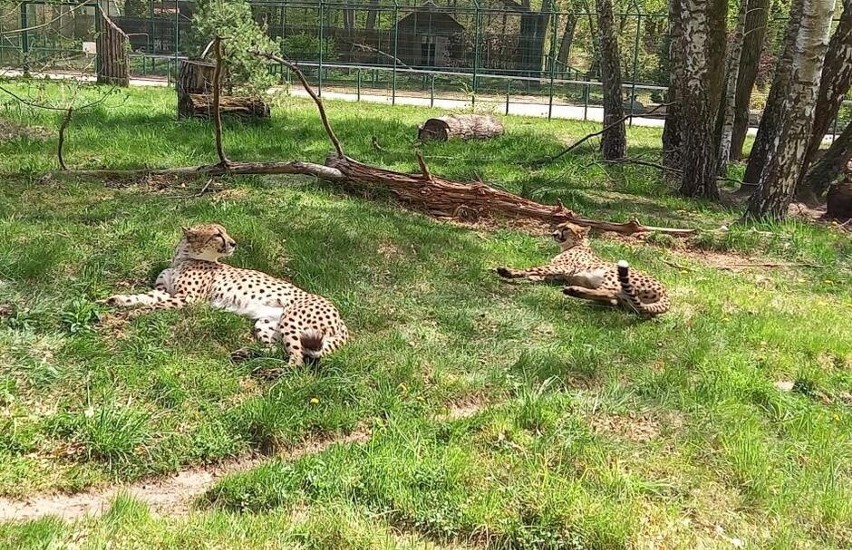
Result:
[{"x": 787, "y": 149}]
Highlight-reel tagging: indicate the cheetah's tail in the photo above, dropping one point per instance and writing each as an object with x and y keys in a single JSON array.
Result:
[
  {"x": 315, "y": 344},
  {"x": 656, "y": 308}
]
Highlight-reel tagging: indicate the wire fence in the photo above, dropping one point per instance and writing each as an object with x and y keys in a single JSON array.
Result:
[{"x": 523, "y": 60}]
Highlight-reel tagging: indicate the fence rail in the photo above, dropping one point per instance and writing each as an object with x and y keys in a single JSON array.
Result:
[{"x": 462, "y": 48}]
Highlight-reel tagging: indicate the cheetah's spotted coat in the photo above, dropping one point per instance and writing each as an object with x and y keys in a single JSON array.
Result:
[
  {"x": 590, "y": 278},
  {"x": 307, "y": 324}
]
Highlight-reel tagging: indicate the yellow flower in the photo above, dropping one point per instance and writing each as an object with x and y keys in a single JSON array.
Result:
[
  {"x": 314, "y": 400},
  {"x": 828, "y": 282}
]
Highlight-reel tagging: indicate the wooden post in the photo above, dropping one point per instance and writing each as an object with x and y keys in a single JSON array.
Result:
[
  {"x": 195, "y": 94},
  {"x": 113, "y": 62}
]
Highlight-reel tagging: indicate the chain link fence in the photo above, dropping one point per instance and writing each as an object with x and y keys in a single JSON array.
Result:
[{"x": 459, "y": 53}]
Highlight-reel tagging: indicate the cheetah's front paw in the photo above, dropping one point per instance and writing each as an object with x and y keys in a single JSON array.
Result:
[{"x": 504, "y": 272}]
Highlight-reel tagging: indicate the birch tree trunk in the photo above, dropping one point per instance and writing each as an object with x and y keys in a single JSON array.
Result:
[
  {"x": 613, "y": 141},
  {"x": 757, "y": 16},
  {"x": 698, "y": 116},
  {"x": 725, "y": 121},
  {"x": 811, "y": 20},
  {"x": 833, "y": 87},
  {"x": 772, "y": 120},
  {"x": 672, "y": 158},
  {"x": 832, "y": 164}
]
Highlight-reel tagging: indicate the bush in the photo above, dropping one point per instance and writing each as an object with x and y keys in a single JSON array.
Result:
[{"x": 232, "y": 20}]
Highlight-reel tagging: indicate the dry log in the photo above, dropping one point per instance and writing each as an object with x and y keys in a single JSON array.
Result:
[
  {"x": 839, "y": 201},
  {"x": 195, "y": 86},
  {"x": 112, "y": 47},
  {"x": 460, "y": 127},
  {"x": 201, "y": 106}
]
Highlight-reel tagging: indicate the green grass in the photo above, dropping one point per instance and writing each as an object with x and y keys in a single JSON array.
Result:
[{"x": 596, "y": 429}]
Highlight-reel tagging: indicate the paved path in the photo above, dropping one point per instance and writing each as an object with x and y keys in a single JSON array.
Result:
[{"x": 520, "y": 108}]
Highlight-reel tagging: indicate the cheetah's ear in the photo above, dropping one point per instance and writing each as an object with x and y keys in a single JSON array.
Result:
[
  {"x": 185, "y": 230},
  {"x": 584, "y": 231}
]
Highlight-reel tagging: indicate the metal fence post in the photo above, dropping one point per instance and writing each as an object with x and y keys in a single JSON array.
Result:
[
  {"x": 98, "y": 31},
  {"x": 321, "y": 44},
  {"x": 177, "y": 39},
  {"x": 395, "y": 49},
  {"x": 358, "y": 83},
  {"x": 432, "y": 90},
  {"x": 632, "y": 98},
  {"x": 554, "y": 27},
  {"x": 25, "y": 38},
  {"x": 477, "y": 47}
]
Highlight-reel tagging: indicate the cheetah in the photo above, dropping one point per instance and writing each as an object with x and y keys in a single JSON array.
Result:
[
  {"x": 307, "y": 324},
  {"x": 590, "y": 278}
]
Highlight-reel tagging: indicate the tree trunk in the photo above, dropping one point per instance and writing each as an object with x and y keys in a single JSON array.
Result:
[
  {"x": 834, "y": 84},
  {"x": 725, "y": 120},
  {"x": 757, "y": 17},
  {"x": 567, "y": 39},
  {"x": 811, "y": 20},
  {"x": 370, "y": 23},
  {"x": 112, "y": 48},
  {"x": 698, "y": 117},
  {"x": 832, "y": 164},
  {"x": 613, "y": 141},
  {"x": 773, "y": 116},
  {"x": 531, "y": 44},
  {"x": 461, "y": 127},
  {"x": 839, "y": 201},
  {"x": 672, "y": 139}
]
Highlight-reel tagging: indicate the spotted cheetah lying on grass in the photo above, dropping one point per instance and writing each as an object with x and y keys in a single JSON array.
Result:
[
  {"x": 590, "y": 278},
  {"x": 307, "y": 324}
]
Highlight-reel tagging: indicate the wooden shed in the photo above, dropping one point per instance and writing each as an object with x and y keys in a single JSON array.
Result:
[{"x": 424, "y": 37}]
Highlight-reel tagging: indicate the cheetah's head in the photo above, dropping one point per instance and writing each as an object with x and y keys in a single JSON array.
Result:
[
  {"x": 206, "y": 242},
  {"x": 569, "y": 235}
]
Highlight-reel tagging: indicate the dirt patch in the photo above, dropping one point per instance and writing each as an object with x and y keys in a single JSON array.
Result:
[
  {"x": 154, "y": 183},
  {"x": 170, "y": 496},
  {"x": 638, "y": 427},
  {"x": 12, "y": 130}
]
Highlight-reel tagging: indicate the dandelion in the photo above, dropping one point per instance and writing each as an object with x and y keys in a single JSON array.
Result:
[
  {"x": 314, "y": 400},
  {"x": 89, "y": 413}
]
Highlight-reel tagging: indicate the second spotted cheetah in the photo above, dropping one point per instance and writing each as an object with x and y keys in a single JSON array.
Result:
[{"x": 588, "y": 277}]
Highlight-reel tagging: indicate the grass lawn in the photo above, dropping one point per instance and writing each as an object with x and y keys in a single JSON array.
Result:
[{"x": 491, "y": 414}]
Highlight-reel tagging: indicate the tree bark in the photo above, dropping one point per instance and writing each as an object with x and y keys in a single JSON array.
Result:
[
  {"x": 372, "y": 12},
  {"x": 757, "y": 16},
  {"x": 773, "y": 116},
  {"x": 833, "y": 86},
  {"x": 839, "y": 201},
  {"x": 672, "y": 139},
  {"x": 461, "y": 127},
  {"x": 811, "y": 21},
  {"x": 613, "y": 142},
  {"x": 832, "y": 164},
  {"x": 698, "y": 117},
  {"x": 567, "y": 39},
  {"x": 725, "y": 120}
]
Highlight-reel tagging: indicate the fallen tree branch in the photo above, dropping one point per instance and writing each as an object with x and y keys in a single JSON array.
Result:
[
  {"x": 243, "y": 168},
  {"x": 317, "y": 100},
  {"x": 217, "y": 94},
  {"x": 545, "y": 160},
  {"x": 648, "y": 163},
  {"x": 66, "y": 120}
]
